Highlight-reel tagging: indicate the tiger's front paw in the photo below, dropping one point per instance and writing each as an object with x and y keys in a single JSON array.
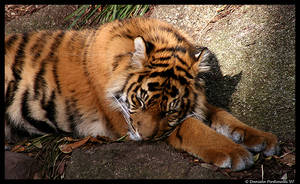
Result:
[
  {"x": 255, "y": 140},
  {"x": 234, "y": 157},
  {"x": 259, "y": 141}
]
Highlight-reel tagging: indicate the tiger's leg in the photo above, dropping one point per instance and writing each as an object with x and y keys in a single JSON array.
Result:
[
  {"x": 200, "y": 140},
  {"x": 253, "y": 139}
]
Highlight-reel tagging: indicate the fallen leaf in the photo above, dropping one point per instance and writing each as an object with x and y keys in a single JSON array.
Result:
[
  {"x": 67, "y": 148},
  {"x": 121, "y": 139},
  {"x": 269, "y": 158},
  {"x": 284, "y": 177},
  {"x": 208, "y": 166},
  {"x": 288, "y": 159},
  {"x": 256, "y": 157},
  {"x": 93, "y": 139},
  {"x": 18, "y": 148},
  {"x": 196, "y": 160},
  {"x": 38, "y": 144}
]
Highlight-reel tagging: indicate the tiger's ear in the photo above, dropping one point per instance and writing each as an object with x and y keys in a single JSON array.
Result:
[
  {"x": 203, "y": 55},
  {"x": 141, "y": 52}
]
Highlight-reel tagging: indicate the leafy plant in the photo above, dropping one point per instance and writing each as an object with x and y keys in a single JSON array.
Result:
[{"x": 99, "y": 14}]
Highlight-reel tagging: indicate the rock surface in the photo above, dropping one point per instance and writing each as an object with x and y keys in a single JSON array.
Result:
[
  {"x": 255, "y": 49},
  {"x": 20, "y": 166},
  {"x": 51, "y": 17},
  {"x": 134, "y": 160}
]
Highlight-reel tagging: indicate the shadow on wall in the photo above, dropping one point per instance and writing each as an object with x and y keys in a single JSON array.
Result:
[{"x": 219, "y": 88}]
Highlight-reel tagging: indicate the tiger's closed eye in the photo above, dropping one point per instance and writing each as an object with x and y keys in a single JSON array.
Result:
[{"x": 171, "y": 112}]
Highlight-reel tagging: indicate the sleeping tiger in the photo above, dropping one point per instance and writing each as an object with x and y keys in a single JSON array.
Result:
[{"x": 135, "y": 77}]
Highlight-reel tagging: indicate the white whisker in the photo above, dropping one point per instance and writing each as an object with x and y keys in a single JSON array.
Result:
[{"x": 133, "y": 134}]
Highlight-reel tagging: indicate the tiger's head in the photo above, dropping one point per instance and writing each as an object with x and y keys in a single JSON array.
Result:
[{"x": 161, "y": 88}]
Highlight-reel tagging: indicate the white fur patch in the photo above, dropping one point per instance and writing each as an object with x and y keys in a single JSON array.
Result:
[
  {"x": 226, "y": 163},
  {"x": 95, "y": 128},
  {"x": 244, "y": 162},
  {"x": 224, "y": 130},
  {"x": 139, "y": 53}
]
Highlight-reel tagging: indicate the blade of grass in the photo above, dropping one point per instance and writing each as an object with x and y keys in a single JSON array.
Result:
[
  {"x": 98, "y": 17},
  {"x": 146, "y": 7},
  {"x": 125, "y": 13},
  {"x": 107, "y": 15},
  {"x": 114, "y": 12},
  {"x": 75, "y": 12},
  {"x": 136, "y": 10},
  {"x": 92, "y": 13},
  {"x": 78, "y": 16},
  {"x": 121, "y": 9}
]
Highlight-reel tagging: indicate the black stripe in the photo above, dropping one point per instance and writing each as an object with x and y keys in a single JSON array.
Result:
[
  {"x": 166, "y": 73},
  {"x": 53, "y": 49},
  {"x": 149, "y": 47},
  {"x": 186, "y": 72},
  {"x": 133, "y": 99},
  {"x": 163, "y": 58},
  {"x": 10, "y": 93},
  {"x": 125, "y": 34},
  {"x": 57, "y": 41},
  {"x": 136, "y": 88},
  {"x": 131, "y": 85},
  {"x": 186, "y": 92},
  {"x": 152, "y": 65},
  {"x": 180, "y": 59},
  {"x": 54, "y": 70},
  {"x": 74, "y": 117},
  {"x": 91, "y": 37},
  {"x": 18, "y": 64},
  {"x": 172, "y": 49},
  {"x": 39, "y": 81},
  {"x": 153, "y": 98},
  {"x": 183, "y": 80},
  {"x": 144, "y": 94},
  {"x": 50, "y": 108},
  {"x": 176, "y": 35},
  {"x": 169, "y": 73},
  {"x": 140, "y": 78},
  {"x": 38, "y": 47},
  {"x": 153, "y": 86},
  {"x": 39, "y": 125},
  {"x": 17, "y": 70},
  {"x": 174, "y": 92},
  {"x": 10, "y": 41}
]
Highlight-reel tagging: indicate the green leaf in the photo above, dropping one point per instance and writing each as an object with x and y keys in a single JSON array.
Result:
[
  {"x": 37, "y": 144},
  {"x": 121, "y": 139}
]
